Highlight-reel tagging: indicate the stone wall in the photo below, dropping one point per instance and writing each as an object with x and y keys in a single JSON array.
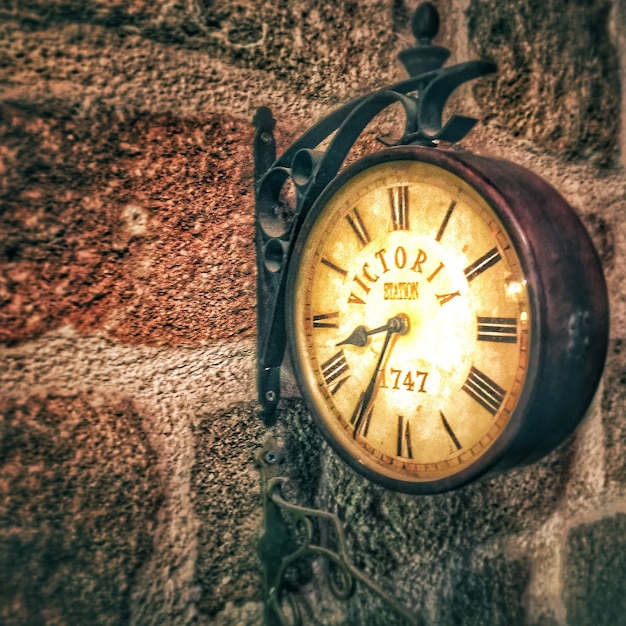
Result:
[{"x": 129, "y": 492}]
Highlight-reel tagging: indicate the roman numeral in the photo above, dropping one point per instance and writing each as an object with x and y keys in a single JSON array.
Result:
[
  {"x": 356, "y": 223},
  {"x": 446, "y": 219},
  {"x": 404, "y": 447},
  {"x": 333, "y": 369},
  {"x": 482, "y": 389},
  {"x": 498, "y": 329},
  {"x": 399, "y": 202},
  {"x": 326, "y": 320},
  {"x": 449, "y": 430},
  {"x": 332, "y": 266},
  {"x": 480, "y": 265}
]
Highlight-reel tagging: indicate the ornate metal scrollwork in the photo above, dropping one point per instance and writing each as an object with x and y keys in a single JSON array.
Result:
[
  {"x": 292, "y": 534},
  {"x": 422, "y": 96}
]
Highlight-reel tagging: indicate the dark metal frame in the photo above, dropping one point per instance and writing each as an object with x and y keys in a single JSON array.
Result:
[{"x": 291, "y": 535}]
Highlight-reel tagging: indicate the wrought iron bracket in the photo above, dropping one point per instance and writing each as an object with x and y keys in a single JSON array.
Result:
[
  {"x": 422, "y": 98},
  {"x": 292, "y": 534}
]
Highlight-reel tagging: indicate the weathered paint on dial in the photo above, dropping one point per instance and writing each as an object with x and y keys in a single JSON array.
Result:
[{"x": 406, "y": 240}]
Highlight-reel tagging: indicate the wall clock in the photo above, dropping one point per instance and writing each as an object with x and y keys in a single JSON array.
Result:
[
  {"x": 446, "y": 317},
  {"x": 446, "y": 313}
]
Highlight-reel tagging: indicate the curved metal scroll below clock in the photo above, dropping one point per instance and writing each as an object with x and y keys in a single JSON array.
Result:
[
  {"x": 446, "y": 313},
  {"x": 292, "y": 535}
]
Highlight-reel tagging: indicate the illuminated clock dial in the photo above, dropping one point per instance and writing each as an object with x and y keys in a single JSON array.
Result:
[
  {"x": 412, "y": 319},
  {"x": 412, "y": 322}
]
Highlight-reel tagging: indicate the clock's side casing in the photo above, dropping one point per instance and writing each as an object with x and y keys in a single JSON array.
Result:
[{"x": 568, "y": 299}]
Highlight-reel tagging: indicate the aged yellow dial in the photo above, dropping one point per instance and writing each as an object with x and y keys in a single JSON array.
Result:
[{"x": 411, "y": 321}]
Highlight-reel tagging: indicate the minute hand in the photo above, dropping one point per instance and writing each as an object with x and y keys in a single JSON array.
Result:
[{"x": 394, "y": 325}]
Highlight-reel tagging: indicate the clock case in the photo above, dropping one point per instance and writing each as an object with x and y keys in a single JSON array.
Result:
[
  {"x": 567, "y": 298},
  {"x": 566, "y": 286}
]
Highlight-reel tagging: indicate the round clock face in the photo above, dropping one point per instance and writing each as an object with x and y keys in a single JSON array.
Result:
[{"x": 411, "y": 321}]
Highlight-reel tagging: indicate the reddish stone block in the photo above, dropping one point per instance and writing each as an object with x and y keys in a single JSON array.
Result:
[{"x": 139, "y": 225}]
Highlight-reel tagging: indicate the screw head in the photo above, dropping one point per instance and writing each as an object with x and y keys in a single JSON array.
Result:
[
  {"x": 271, "y": 457},
  {"x": 270, "y": 395}
]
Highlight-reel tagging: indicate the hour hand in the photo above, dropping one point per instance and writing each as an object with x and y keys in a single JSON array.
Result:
[
  {"x": 360, "y": 335},
  {"x": 358, "y": 338}
]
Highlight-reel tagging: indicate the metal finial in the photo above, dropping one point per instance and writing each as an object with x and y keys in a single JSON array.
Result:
[
  {"x": 425, "y": 23},
  {"x": 424, "y": 57}
]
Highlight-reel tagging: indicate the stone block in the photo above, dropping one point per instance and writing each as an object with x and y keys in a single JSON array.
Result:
[
  {"x": 594, "y": 571},
  {"x": 79, "y": 495},
  {"x": 123, "y": 224},
  {"x": 225, "y": 483},
  {"x": 557, "y": 73},
  {"x": 614, "y": 404}
]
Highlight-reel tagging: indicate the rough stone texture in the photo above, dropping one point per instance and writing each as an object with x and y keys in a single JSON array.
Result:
[
  {"x": 118, "y": 222},
  {"x": 491, "y": 593},
  {"x": 78, "y": 498},
  {"x": 228, "y": 501},
  {"x": 173, "y": 387},
  {"x": 595, "y": 570},
  {"x": 556, "y": 70},
  {"x": 127, "y": 320},
  {"x": 614, "y": 403}
]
